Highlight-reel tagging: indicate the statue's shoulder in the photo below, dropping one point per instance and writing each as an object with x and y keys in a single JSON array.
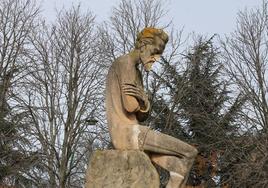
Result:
[
  {"x": 121, "y": 59},
  {"x": 120, "y": 63}
]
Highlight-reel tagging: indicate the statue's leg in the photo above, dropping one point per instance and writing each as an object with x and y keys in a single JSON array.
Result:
[
  {"x": 150, "y": 140},
  {"x": 178, "y": 169},
  {"x": 143, "y": 138},
  {"x": 170, "y": 153}
]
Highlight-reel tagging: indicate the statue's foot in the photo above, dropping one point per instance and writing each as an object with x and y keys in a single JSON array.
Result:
[{"x": 175, "y": 180}]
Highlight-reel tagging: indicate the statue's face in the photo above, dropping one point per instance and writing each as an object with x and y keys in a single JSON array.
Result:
[{"x": 151, "y": 53}]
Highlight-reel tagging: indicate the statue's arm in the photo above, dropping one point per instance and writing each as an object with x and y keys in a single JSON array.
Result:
[{"x": 135, "y": 97}]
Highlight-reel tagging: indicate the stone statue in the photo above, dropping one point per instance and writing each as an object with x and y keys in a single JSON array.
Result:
[{"x": 127, "y": 104}]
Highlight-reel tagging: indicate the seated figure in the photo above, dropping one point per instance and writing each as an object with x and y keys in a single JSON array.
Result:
[{"x": 127, "y": 104}]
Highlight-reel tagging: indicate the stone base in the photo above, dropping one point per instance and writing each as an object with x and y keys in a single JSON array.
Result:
[{"x": 121, "y": 169}]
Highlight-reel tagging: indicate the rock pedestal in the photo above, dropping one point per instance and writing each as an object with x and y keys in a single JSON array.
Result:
[{"x": 121, "y": 169}]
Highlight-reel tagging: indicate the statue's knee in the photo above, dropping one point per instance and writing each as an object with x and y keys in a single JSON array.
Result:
[{"x": 194, "y": 153}]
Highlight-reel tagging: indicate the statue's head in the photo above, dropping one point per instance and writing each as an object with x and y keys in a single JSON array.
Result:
[{"x": 151, "y": 43}]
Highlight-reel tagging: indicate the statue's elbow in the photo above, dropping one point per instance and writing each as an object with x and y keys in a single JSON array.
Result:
[{"x": 131, "y": 105}]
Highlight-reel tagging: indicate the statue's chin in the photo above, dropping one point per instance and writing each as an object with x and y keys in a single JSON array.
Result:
[{"x": 147, "y": 70}]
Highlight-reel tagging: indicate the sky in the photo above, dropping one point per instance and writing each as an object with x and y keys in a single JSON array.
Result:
[{"x": 200, "y": 16}]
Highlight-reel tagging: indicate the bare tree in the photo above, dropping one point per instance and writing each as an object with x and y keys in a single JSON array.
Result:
[
  {"x": 246, "y": 57},
  {"x": 17, "y": 20},
  {"x": 63, "y": 93},
  {"x": 127, "y": 19}
]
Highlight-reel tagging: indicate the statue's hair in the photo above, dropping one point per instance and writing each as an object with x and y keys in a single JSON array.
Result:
[{"x": 148, "y": 36}]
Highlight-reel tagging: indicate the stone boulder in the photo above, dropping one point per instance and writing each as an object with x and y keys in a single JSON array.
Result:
[{"x": 121, "y": 169}]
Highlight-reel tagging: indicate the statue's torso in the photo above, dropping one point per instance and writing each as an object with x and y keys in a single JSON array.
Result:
[{"x": 119, "y": 120}]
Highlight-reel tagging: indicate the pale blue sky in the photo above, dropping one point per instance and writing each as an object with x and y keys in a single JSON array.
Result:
[{"x": 200, "y": 16}]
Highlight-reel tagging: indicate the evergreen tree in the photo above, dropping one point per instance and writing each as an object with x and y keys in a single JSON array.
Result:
[
  {"x": 198, "y": 108},
  {"x": 16, "y": 156}
]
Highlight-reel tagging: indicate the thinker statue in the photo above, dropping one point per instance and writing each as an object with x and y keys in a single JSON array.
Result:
[{"x": 127, "y": 104}]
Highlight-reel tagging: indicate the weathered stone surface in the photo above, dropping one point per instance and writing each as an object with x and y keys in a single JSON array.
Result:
[{"x": 121, "y": 169}]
